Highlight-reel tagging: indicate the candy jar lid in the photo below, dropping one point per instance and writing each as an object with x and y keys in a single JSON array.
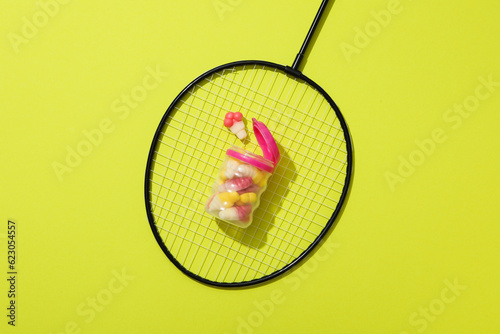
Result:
[
  {"x": 251, "y": 158},
  {"x": 266, "y": 142}
]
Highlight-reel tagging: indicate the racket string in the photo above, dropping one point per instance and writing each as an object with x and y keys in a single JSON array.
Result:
[
  {"x": 273, "y": 109},
  {"x": 283, "y": 124},
  {"x": 299, "y": 140},
  {"x": 304, "y": 156},
  {"x": 280, "y": 89},
  {"x": 290, "y": 217}
]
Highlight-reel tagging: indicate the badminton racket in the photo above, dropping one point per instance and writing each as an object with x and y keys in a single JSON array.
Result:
[{"x": 304, "y": 195}]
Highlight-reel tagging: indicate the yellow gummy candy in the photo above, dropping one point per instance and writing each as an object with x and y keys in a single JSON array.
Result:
[
  {"x": 225, "y": 200},
  {"x": 235, "y": 197},
  {"x": 248, "y": 197},
  {"x": 244, "y": 198},
  {"x": 253, "y": 197},
  {"x": 229, "y": 198},
  {"x": 222, "y": 175},
  {"x": 257, "y": 177},
  {"x": 262, "y": 183}
]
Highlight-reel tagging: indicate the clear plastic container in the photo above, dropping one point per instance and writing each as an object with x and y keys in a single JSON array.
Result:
[{"x": 242, "y": 179}]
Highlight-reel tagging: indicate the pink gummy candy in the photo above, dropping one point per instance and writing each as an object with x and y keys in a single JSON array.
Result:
[
  {"x": 236, "y": 184},
  {"x": 243, "y": 211},
  {"x": 251, "y": 189}
]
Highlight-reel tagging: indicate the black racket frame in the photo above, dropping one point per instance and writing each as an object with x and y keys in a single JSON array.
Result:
[{"x": 290, "y": 71}]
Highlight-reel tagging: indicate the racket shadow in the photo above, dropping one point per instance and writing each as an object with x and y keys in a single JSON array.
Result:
[
  {"x": 256, "y": 235},
  {"x": 326, "y": 237},
  {"x": 303, "y": 261}
]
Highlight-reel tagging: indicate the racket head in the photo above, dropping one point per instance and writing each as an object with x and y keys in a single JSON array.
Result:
[{"x": 166, "y": 208}]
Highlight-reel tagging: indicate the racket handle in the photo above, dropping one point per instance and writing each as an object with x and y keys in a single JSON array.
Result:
[{"x": 303, "y": 49}]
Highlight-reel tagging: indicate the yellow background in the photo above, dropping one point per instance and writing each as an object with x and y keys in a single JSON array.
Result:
[{"x": 393, "y": 252}]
